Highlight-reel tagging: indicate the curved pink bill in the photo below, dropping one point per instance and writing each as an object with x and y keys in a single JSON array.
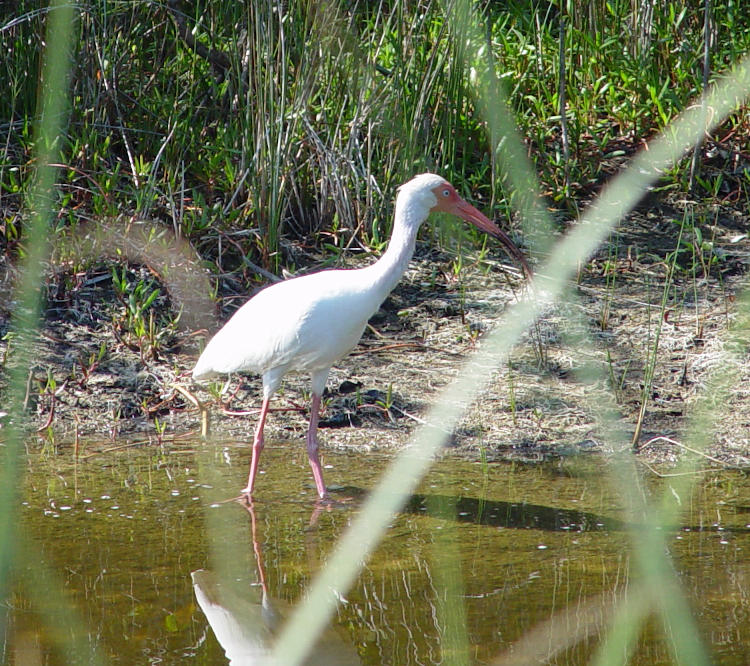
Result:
[{"x": 467, "y": 212}]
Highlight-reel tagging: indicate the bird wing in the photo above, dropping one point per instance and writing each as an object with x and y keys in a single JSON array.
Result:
[{"x": 306, "y": 323}]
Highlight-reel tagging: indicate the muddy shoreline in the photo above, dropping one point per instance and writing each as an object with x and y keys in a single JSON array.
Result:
[{"x": 93, "y": 381}]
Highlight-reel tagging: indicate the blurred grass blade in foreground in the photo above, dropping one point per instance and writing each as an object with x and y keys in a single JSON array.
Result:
[{"x": 410, "y": 465}]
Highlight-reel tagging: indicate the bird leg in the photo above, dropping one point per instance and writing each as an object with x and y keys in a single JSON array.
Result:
[
  {"x": 257, "y": 446},
  {"x": 312, "y": 446}
]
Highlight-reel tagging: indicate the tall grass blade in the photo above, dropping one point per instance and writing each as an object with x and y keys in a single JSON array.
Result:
[
  {"x": 51, "y": 119},
  {"x": 42, "y": 585},
  {"x": 407, "y": 469}
]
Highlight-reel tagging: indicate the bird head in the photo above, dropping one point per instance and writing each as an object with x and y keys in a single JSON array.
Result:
[{"x": 432, "y": 194}]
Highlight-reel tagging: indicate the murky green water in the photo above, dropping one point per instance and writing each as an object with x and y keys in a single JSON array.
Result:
[{"x": 125, "y": 537}]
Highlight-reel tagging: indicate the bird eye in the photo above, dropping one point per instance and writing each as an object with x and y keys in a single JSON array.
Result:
[{"x": 446, "y": 192}]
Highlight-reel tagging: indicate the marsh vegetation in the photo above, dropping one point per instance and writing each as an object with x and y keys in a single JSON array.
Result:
[{"x": 172, "y": 158}]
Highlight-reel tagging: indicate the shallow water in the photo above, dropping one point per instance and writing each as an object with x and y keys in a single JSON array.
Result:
[{"x": 142, "y": 544}]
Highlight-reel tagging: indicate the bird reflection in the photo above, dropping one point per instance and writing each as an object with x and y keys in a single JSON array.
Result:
[{"x": 246, "y": 621}]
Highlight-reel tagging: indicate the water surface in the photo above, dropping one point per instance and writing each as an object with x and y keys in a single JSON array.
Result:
[{"x": 146, "y": 549}]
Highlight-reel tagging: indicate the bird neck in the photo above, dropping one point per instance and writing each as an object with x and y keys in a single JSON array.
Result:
[{"x": 385, "y": 273}]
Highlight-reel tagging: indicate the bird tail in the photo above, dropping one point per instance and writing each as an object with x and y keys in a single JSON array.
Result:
[{"x": 203, "y": 371}]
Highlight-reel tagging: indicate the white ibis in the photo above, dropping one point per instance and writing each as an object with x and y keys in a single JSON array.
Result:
[{"x": 308, "y": 323}]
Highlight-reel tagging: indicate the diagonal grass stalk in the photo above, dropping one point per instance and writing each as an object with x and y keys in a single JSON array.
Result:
[
  {"x": 662, "y": 583},
  {"x": 403, "y": 475}
]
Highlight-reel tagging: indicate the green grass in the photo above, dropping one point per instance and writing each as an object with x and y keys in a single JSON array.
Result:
[{"x": 308, "y": 124}]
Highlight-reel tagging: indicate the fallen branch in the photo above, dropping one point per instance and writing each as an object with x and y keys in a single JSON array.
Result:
[{"x": 687, "y": 448}]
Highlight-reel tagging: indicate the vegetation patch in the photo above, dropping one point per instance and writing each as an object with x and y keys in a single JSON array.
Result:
[{"x": 212, "y": 148}]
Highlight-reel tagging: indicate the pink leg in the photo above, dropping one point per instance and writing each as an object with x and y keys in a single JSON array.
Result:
[
  {"x": 312, "y": 446},
  {"x": 257, "y": 447}
]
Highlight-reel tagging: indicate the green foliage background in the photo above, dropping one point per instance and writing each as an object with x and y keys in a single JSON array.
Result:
[{"x": 296, "y": 118}]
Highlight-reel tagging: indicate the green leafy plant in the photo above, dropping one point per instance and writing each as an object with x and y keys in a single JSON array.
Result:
[{"x": 137, "y": 299}]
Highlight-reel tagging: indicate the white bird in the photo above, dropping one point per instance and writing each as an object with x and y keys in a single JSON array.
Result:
[{"x": 308, "y": 323}]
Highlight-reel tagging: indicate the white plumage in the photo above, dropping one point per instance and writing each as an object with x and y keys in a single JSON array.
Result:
[{"x": 308, "y": 323}]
